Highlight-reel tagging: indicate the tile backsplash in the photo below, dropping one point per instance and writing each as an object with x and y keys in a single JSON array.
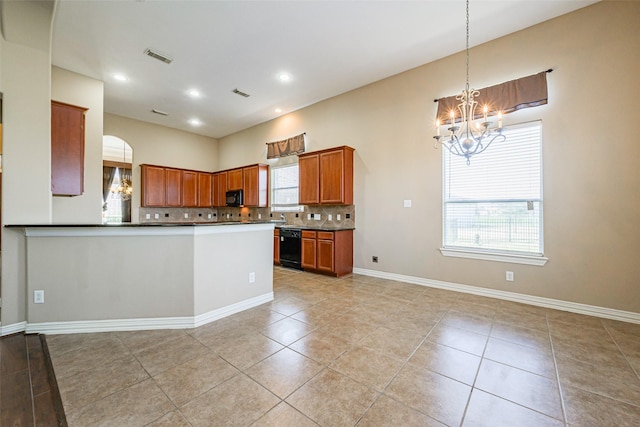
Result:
[{"x": 317, "y": 216}]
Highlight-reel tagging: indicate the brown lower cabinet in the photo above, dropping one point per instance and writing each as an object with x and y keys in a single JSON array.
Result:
[{"x": 328, "y": 252}]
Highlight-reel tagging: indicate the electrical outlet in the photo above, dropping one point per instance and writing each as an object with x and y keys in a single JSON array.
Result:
[
  {"x": 308, "y": 216},
  {"x": 208, "y": 216},
  {"x": 374, "y": 258},
  {"x": 38, "y": 297},
  {"x": 509, "y": 276},
  {"x": 407, "y": 203},
  {"x": 259, "y": 216},
  {"x": 186, "y": 215},
  {"x": 338, "y": 217},
  {"x": 252, "y": 277},
  {"x": 156, "y": 216},
  {"x": 330, "y": 217},
  {"x": 148, "y": 216},
  {"x": 317, "y": 217}
]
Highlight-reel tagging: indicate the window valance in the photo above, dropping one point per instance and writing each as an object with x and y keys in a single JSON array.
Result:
[
  {"x": 286, "y": 147},
  {"x": 506, "y": 97}
]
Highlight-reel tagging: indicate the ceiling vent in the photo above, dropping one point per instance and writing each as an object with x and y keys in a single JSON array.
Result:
[
  {"x": 158, "y": 56},
  {"x": 241, "y": 93},
  {"x": 162, "y": 113}
]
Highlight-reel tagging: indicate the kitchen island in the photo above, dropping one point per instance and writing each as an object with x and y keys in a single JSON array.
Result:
[{"x": 134, "y": 277}]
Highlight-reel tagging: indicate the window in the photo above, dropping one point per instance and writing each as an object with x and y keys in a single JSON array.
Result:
[
  {"x": 113, "y": 213},
  {"x": 284, "y": 188},
  {"x": 494, "y": 205}
]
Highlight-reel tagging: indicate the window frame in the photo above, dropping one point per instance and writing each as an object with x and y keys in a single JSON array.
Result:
[
  {"x": 279, "y": 207},
  {"x": 537, "y": 259}
]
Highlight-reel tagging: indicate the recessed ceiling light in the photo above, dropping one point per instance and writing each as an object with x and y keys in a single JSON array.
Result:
[
  {"x": 195, "y": 122},
  {"x": 278, "y": 110},
  {"x": 194, "y": 93},
  {"x": 284, "y": 77},
  {"x": 120, "y": 77}
]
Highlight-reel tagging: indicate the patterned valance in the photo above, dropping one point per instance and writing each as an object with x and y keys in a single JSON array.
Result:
[
  {"x": 286, "y": 147},
  {"x": 506, "y": 97}
]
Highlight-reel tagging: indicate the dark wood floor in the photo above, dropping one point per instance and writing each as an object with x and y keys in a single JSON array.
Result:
[{"x": 28, "y": 393}]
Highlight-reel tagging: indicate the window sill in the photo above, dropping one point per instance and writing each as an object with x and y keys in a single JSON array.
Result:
[{"x": 510, "y": 258}]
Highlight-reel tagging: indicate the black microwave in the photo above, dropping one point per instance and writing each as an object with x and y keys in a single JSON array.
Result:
[{"x": 234, "y": 198}]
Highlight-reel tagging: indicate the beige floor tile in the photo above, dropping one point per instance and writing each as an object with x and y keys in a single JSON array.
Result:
[
  {"x": 469, "y": 307},
  {"x": 321, "y": 346},
  {"x": 628, "y": 344},
  {"x": 626, "y": 328},
  {"x": 589, "y": 409},
  {"x": 137, "y": 405},
  {"x": 526, "y": 358},
  {"x": 368, "y": 367},
  {"x": 169, "y": 354},
  {"x": 331, "y": 398},
  {"x": 432, "y": 394},
  {"x": 447, "y": 361},
  {"x": 60, "y": 344},
  {"x": 393, "y": 342},
  {"x": 283, "y": 415},
  {"x": 86, "y": 358},
  {"x": 604, "y": 354},
  {"x": 459, "y": 339},
  {"x": 137, "y": 341},
  {"x": 523, "y": 319},
  {"x": 388, "y": 412},
  {"x": 86, "y": 387},
  {"x": 486, "y": 410},
  {"x": 236, "y": 402},
  {"x": 349, "y": 328},
  {"x": 287, "y": 330},
  {"x": 283, "y": 372},
  {"x": 574, "y": 319},
  {"x": 587, "y": 333},
  {"x": 335, "y": 305},
  {"x": 189, "y": 380},
  {"x": 314, "y": 317},
  {"x": 522, "y": 335},
  {"x": 616, "y": 383},
  {"x": 524, "y": 388},
  {"x": 470, "y": 322},
  {"x": 257, "y": 318},
  {"x": 249, "y": 350},
  {"x": 289, "y": 306},
  {"x": 172, "y": 419}
]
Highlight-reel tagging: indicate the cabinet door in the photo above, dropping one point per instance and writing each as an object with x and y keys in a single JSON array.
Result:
[
  {"x": 153, "y": 186},
  {"x": 234, "y": 179},
  {"x": 204, "y": 190},
  {"x": 173, "y": 187},
  {"x": 331, "y": 177},
  {"x": 325, "y": 255},
  {"x": 308, "y": 247},
  {"x": 276, "y": 246},
  {"x": 308, "y": 180},
  {"x": 215, "y": 182},
  {"x": 189, "y": 189},
  {"x": 67, "y": 149},
  {"x": 250, "y": 185},
  {"x": 222, "y": 189}
]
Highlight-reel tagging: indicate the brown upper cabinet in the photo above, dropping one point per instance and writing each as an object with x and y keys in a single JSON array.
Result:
[
  {"x": 256, "y": 185},
  {"x": 171, "y": 187},
  {"x": 204, "y": 190},
  {"x": 326, "y": 177},
  {"x": 67, "y": 149},
  {"x": 234, "y": 179},
  {"x": 189, "y": 189}
]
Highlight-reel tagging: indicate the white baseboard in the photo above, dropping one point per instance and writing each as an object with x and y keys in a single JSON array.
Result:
[
  {"x": 114, "y": 325},
  {"x": 13, "y": 328},
  {"x": 591, "y": 310}
]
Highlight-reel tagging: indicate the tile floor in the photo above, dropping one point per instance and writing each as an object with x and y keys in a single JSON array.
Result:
[{"x": 359, "y": 351}]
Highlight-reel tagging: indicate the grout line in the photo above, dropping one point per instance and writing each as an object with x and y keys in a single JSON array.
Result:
[
  {"x": 555, "y": 365},
  {"x": 33, "y": 406}
]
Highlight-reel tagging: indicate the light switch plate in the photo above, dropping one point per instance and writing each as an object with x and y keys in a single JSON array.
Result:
[{"x": 407, "y": 203}]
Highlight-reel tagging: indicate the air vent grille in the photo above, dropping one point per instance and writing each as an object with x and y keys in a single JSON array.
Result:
[
  {"x": 158, "y": 56},
  {"x": 241, "y": 93},
  {"x": 162, "y": 113}
]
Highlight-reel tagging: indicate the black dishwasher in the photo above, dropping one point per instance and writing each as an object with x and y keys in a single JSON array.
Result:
[{"x": 290, "y": 248}]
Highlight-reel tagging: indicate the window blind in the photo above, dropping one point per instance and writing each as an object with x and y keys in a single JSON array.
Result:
[
  {"x": 495, "y": 203},
  {"x": 284, "y": 187}
]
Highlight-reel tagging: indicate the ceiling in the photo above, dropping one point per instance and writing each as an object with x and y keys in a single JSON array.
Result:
[{"x": 327, "y": 48}]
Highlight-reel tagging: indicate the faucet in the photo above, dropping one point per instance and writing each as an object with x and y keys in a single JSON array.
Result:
[{"x": 282, "y": 216}]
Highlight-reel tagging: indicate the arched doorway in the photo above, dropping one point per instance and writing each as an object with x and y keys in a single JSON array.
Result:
[{"x": 117, "y": 159}]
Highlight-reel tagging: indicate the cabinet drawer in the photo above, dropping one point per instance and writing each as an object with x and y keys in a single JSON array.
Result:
[
  {"x": 325, "y": 235},
  {"x": 308, "y": 234}
]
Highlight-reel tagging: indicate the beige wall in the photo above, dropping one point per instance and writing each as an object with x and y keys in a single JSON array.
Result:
[
  {"x": 590, "y": 156},
  {"x": 159, "y": 145},
  {"x": 26, "y": 85},
  {"x": 76, "y": 89}
]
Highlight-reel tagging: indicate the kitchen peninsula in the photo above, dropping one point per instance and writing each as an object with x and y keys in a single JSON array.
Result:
[{"x": 134, "y": 277}]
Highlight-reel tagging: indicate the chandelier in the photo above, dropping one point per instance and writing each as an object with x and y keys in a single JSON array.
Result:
[
  {"x": 124, "y": 190},
  {"x": 471, "y": 136}
]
